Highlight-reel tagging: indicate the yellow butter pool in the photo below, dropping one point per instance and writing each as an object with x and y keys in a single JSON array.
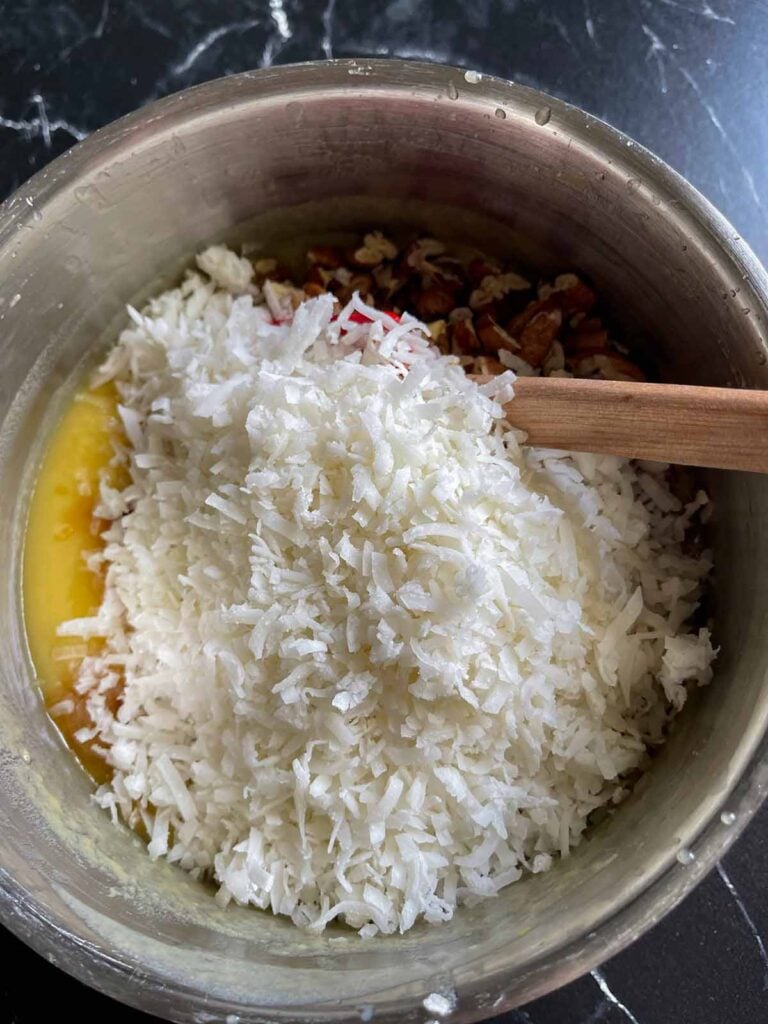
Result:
[{"x": 61, "y": 531}]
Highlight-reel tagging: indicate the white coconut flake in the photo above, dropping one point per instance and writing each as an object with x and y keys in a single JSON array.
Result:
[
  {"x": 439, "y": 1004},
  {"x": 376, "y": 659}
]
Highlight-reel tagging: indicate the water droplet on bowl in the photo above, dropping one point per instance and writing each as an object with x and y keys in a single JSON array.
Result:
[
  {"x": 728, "y": 817},
  {"x": 686, "y": 857},
  {"x": 473, "y": 77},
  {"x": 501, "y": 114},
  {"x": 633, "y": 185},
  {"x": 26, "y": 757},
  {"x": 453, "y": 92},
  {"x": 543, "y": 115},
  {"x": 15, "y": 300},
  {"x": 37, "y": 216},
  {"x": 366, "y": 1013}
]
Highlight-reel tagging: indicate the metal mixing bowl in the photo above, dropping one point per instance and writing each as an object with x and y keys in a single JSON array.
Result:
[{"x": 422, "y": 143}]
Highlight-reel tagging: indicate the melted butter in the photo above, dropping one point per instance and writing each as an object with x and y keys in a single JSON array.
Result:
[{"x": 61, "y": 531}]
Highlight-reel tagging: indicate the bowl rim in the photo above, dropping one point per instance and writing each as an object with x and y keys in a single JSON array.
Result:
[{"x": 20, "y": 912}]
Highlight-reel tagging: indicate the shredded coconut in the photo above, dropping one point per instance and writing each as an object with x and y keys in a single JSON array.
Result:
[{"x": 375, "y": 659}]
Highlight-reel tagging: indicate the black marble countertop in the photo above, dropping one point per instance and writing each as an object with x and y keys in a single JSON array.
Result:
[{"x": 687, "y": 78}]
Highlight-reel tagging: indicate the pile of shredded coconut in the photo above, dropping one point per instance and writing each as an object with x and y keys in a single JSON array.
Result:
[{"x": 375, "y": 660}]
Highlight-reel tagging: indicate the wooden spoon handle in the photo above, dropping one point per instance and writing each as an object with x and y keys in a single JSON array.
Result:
[{"x": 722, "y": 428}]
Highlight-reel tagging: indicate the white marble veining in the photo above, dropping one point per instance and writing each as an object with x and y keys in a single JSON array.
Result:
[
  {"x": 327, "y": 40},
  {"x": 747, "y": 919},
  {"x": 41, "y": 124},
  {"x": 611, "y": 998},
  {"x": 206, "y": 42},
  {"x": 705, "y": 11}
]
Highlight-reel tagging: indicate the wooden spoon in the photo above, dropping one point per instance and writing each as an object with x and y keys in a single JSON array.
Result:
[{"x": 721, "y": 428}]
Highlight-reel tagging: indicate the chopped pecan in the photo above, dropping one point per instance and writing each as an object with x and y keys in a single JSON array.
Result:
[
  {"x": 479, "y": 268},
  {"x": 579, "y": 298},
  {"x": 312, "y": 289},
  {"x": 537, "y": 336},
  {"x": 390, "y": 278},
  {"x": 585, "y": 342},
  {"x": 342, "y": 275},
  {"x": 375, "y": 249},
  {"x": 609, "y": 365},
  {"x": 521, "y": 320},
  {"x": 445, "y": 270},
  {"x": 329, "y": 257},
  {"x": 316, "y": 275},
  {"x": 269, "y": 269},
  {"x": 563, "y": 282},
  {"x": 555, "y": 361},
  {"x": 487, "y": 366},
  {"x": 569, "y": 293},
  {"x": 496, "y": 286},
  {"x": 492, "y": 335},
  {"x": 362, "y": 283},
  {"x": 282, "y": 299},
  {"x": 438, "y": 333},
  {"x": 419, "y": 254},
  {"x": 582, "y": 324},
  {"x": 434, "y": 301},
  {"x": 462, "y": 334},
  {"x": 264, "y": 266}
]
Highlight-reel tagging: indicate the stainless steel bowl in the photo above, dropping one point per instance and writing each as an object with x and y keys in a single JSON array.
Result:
[{"x": 421, "y": 143}]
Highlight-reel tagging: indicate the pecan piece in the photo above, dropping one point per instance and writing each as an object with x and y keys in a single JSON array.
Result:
[
  {"x": 478, "y": 268},
  {"x": 438, "y": 333},
  {"x": 582, "y": 324},
  {"x": 608, "y": 365},
  {"x": 419, "y": 255},
  {"x": 434, "y": 301},
  {"x": 282, "y": 299},
  {"x": 312, "y": 289},
  {"x": 587, "y": 342},
  {"x": 375, "y": 249},
  {"x": 390, "y": 279},
  {"x": 461, "y": 332},
  {"x": 516, "y": 325},
  {"x": 328, "y": 257},
  {"x": 268, "y": 269},
  {"x": 492, "y": 335},
  {"x": 537, "y": 337},
  {"x": 264, "y": 266},
  {"x": 496, "y": 286},
  {"x": 579, "y": 298},
  {"x": 316, "y": 275},
  {"x": 344, "y": 290},
  {"x": 487, "y": 366}
]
